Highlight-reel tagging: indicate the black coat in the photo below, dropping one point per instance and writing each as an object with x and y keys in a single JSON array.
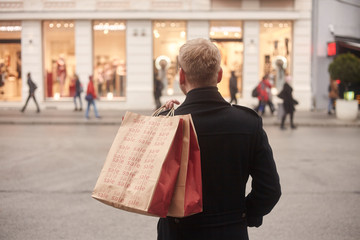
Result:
[
  {"x": 233, "y": 145},
  {"x": 32, "y": 85},
  {"x": 289, "y": 101}
]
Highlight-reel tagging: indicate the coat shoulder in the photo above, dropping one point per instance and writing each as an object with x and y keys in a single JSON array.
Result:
[{"x": 247, "y": 110}]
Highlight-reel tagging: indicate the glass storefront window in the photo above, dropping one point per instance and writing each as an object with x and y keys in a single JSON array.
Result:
[
  {"x": 275, "y": 51},
  {"x": 168, "y": 37},
  {"x": 59, "y": 58},
  {"x": 10, "y": 61},
  {"x": 110, "y": 58},
  {"x": 227, "y": 36}
]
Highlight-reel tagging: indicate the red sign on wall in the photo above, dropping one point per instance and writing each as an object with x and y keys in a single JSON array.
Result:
[{"x": 331, "y": 49}]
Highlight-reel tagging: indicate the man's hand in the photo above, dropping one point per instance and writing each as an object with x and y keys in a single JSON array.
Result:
[{"x": 170, "y": 104}]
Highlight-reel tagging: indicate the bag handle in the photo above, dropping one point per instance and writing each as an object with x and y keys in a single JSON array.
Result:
[{"x": 157, "y": 112}]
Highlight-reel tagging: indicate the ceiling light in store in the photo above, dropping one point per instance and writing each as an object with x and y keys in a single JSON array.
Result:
[
  {"x": 71, "y": 25},
  {"x": 172, "y": 24},
  {"x": 163, "y": 24},
  {"x": 10, "y": 28},
  {"x": 106, "y": 31},
  {"x": 286, "y": 25},
  {"x": 157, "y": 24},
  {"x": 58, "y": 25},
  {"x": 212, "y": 33},
  {"x": 270, "y": 25},
  {"x": 51, "y": 25},
  {"x": 237, "y": 34},
  {"x": 66, "y": 25},
  {"x": 183, "y": 34},
  {"x": 226, "y": 33},
  {"x": 225, "y": 29},
  {"x": 266, "y": 25},
  {"x": 156, "y": 34},
  {"x": 281, "y": 25}
]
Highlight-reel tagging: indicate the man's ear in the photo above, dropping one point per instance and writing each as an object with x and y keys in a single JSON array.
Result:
[
  {"x": 182, "y": 76},
  {"x": 220, "y": 73}
]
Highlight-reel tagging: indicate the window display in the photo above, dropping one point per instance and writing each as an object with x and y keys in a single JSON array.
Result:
[
  {"x": 227, "y": 36},
  {"x": 110, "y": 58},
  {"x": 10, "y": 61},
  {"x": 59, "y": 58},
  {"x": 275, "y": 51},
  {"x": 169, "y": 36}
]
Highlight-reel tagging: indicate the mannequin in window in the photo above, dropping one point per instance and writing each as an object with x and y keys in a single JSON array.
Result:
[{"x": 61, "y": 73}]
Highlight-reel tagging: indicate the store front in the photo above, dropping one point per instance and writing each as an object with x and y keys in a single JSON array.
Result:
[
  {"x": 227, "y": 36},
  {"x": 109, "y": 48},
  {"x": 168, "y": 37},
  {"x": 10, "y": 61},
  {"x": 59, "y": 59},
  {"x": 276, "y": 51}
]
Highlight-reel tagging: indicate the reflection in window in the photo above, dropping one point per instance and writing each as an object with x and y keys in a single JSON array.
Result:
[
  {"x": 168, "y": 37},
  {"x": 275, "y": 51},
  {"x": 10, "y": 61},
  {"x": 59, "y": 58},
  {"x": 110, "y": 58}
]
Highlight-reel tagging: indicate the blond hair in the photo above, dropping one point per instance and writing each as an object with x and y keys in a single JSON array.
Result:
[{"x": 200, "y": 60}]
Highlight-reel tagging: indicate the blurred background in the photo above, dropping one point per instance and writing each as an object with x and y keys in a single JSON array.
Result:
[{"x": 124, "y": 44}]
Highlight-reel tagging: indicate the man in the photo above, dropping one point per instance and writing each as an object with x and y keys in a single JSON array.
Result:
[
  {"x": 233, "y": 145},
  {"x": 32, "y": 88}
]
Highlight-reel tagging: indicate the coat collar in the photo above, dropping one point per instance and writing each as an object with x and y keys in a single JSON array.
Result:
[{"x": 204, "y": 95}]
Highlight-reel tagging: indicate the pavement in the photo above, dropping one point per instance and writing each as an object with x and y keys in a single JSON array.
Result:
[{"x": 113, "y": 117}]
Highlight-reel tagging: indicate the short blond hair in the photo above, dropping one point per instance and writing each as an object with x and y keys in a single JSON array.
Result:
[{"x": 200, "y": 60}]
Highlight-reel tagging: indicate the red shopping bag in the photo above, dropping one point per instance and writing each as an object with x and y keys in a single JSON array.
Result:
[{"x": 141, "y": 171}]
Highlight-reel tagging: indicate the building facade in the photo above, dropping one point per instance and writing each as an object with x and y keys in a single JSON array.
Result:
[
  {"x": 125, "y": 44},
  {"x": 331, "y": 26}
]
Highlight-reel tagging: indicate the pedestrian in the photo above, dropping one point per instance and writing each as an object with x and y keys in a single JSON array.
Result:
[
  {"x": 233, "y": 87},
  {"x": 90, "y": 98},
  {"x": 263, "y": 94},
  {"x": 158, "y": 87},
  {"x": 333, "y": 95},
  {"x": 289, "y": 105},
  {"x": 78, "y": 91},
  {"x": 233, "y": 146},
  {"x": 32, "y": 88}
]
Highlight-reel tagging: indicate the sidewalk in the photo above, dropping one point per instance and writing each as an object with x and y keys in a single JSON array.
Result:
[{"x": 113, "y": 117}]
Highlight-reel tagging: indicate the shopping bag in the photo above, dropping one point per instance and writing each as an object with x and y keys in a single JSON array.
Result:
[{"x": 141, "y": 171}]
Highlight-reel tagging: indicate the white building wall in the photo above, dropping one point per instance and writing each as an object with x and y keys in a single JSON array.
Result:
[
  {"x": 139, "y": 85},
  {"x": 31, "y": 58},
  {"x": 302, "y": 63},
  {"x": 251, "y": 61},
  {"x": 84, "y": 50},
  {"x": 197, "y": 29}
]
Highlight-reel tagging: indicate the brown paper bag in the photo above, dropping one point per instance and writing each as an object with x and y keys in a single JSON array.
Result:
[{"x": 142, "y": 167}]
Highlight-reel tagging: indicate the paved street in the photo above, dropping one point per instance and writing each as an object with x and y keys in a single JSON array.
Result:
[{"x": 48, "y": 171}]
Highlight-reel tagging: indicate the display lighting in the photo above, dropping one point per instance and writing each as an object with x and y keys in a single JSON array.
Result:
[
  {"x": 226, "y": 29},
  {"x": 182, "y": 34},
  {"x": 56, "y": 96},
  {"x": 109, "y": 96},
  {"x": 156, "y": 34},
  {"x": 109, "y": 27},
  {"x": 58, "y": 25},
  {"x": 10, "y": 28},
  {"x": 71, "y": 25},
  {"x": 212, "y": 33},
  {"x": 51, "y": 25},
  {"x": 226, "y": 33},
  {"x": 66, "y": 25}
]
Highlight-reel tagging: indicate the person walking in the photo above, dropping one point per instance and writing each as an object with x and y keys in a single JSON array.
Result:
[
  {"x": 32, "y": 88},
  {"x": 233, "y": 146},
  {"x": 289, "y": 105},
  {"x": 78, "y": 91},
  {"x": 263, "y": 94},
  {"x": 233, "y": 87},
  {"x": 90, "y": 98},
  {"x": 158, "y": 87},
  {"x": 333, "y": 95}
]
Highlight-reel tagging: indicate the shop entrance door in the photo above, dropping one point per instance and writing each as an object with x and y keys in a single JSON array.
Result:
[{"x": 231, "y": 60}]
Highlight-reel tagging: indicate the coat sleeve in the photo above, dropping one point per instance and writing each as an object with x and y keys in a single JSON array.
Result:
[{"x": 265, "y": 186}]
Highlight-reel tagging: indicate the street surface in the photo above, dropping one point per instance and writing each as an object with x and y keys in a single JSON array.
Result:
[{"x": 48, "y": 172}]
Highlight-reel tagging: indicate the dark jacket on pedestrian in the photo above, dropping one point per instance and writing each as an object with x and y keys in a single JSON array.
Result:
[
  {"x": 233, "y": 84},
  {"x": 32, "y": 85},
  {"x": 286, "y": 96},
  {"x": 233, "y": 146}
]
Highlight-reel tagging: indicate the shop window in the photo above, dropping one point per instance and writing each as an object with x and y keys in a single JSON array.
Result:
[
  {"x": 168, "y": 37},
  {"x": 10, "y": 61},
  {"x": 110, "y": 58},
  {"x": 59, "y": 58},
  {"x": 227, "y": 36},
  {"x": 226, "y": 4},
  {"x": 275, "y": 51}
]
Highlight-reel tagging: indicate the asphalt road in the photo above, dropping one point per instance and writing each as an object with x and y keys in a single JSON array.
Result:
[{"x": 47, "y": 174}]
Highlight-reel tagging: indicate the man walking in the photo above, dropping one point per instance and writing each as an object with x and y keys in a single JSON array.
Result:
[
  {"x": 233, "y": 146},
  {"x": 32, "y": 88}
]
